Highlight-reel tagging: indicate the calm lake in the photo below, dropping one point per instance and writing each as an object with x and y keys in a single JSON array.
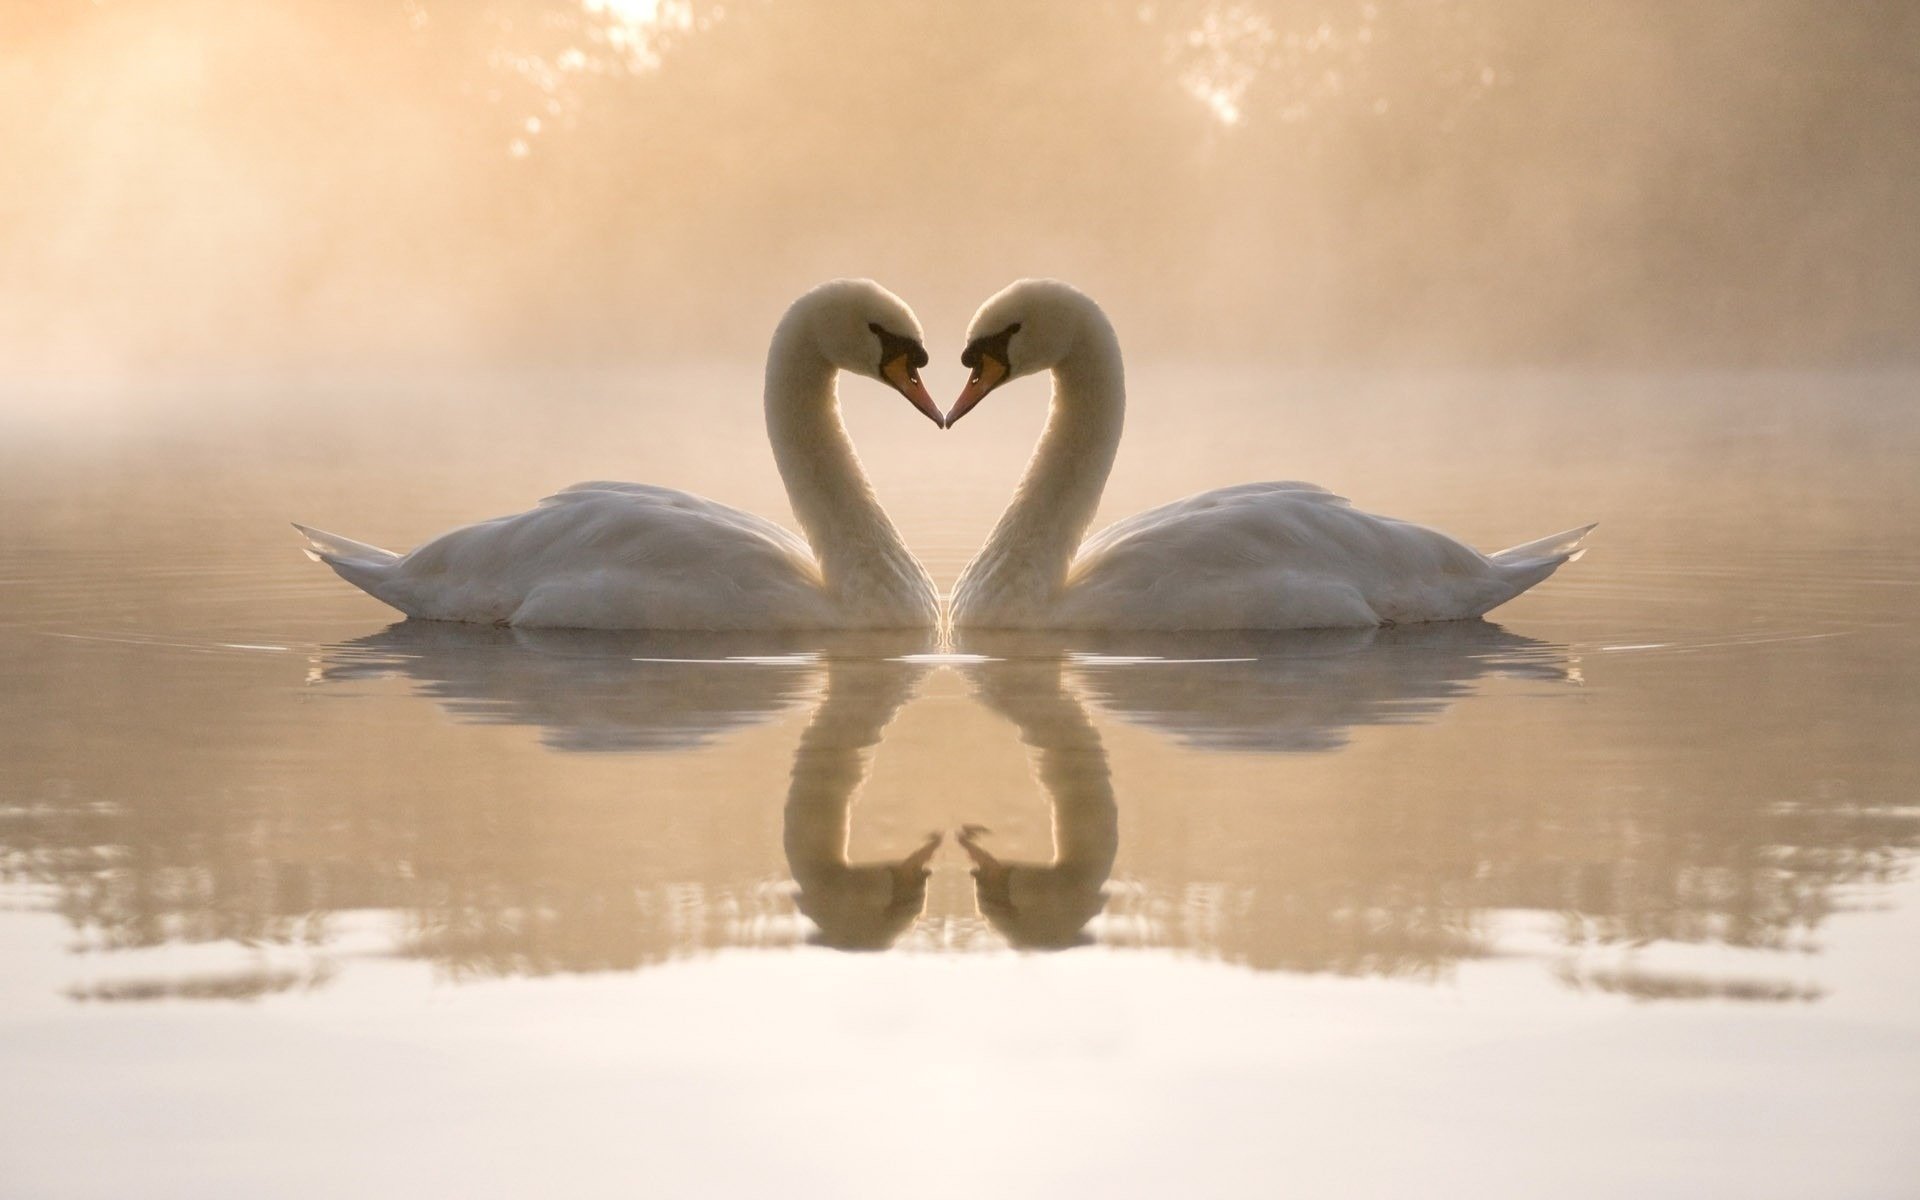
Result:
[{"x": 1611, "y": 895}]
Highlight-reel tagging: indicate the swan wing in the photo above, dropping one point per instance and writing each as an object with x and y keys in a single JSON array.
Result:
[
  {"x": 673, "y": 498},
  {"x": 1287, "y": 556},
  {"x": 1141, "y": 523},
  {"x": 606, "y": 556}
]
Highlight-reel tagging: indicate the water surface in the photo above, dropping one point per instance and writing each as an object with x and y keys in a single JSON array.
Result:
[{"x": 1609, "y": 894}]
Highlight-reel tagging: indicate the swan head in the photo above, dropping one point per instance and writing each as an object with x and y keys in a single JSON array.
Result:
[
  {"x": 860, "y": 327},
  {"x": 1025, "y": 328}
]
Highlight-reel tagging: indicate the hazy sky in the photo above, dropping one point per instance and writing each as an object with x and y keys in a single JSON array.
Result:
[{"x": 214, "y": 184}]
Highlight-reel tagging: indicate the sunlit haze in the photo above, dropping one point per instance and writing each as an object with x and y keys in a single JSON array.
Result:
[{"x": 205, "y": 184}]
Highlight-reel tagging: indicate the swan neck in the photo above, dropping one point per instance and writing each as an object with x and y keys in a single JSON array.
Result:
[
  {"x": 826, "y": 485},
  {"x": 1060, "y": 491}
]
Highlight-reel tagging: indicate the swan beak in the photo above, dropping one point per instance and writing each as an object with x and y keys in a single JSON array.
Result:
[
  {"x": 990, "y": 374},
  {"x": 905, "y": 380}
]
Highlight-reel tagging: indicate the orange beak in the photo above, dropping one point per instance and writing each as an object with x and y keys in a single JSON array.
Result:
[
  {"x": 906, "y": 381},
  {"x": 990, "y": 374}
]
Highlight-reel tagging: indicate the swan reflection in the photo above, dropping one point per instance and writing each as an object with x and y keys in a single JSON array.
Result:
[
  {"x": 854, "y": 906},
  {"x": 589, "y": 690},
  {"x": 706, "y": 792},
  {"x": 592, "y": 691},
  {"x": 1046, "y": 905},
  {"x": 598, "y": 692},
  {"x": 1302, "y": 692},
  {"x": 1294, "y": 692}
]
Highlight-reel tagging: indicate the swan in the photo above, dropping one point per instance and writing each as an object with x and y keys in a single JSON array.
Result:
[
  {"x": 1254, "y": 556},
  {"x": 635, "y": 556}
]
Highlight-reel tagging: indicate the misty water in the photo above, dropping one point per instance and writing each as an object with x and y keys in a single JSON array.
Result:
[{"x": 1611, "y": 894}]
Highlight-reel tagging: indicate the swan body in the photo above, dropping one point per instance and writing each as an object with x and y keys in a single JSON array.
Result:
[
  {"x": 1287, "y": 556},
  {"x": 1253, "y": 556},
  {"x": 606, "y": 555}
]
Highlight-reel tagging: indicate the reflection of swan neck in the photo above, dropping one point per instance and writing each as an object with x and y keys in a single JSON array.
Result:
[
  {"x": 1072, "y": 765},
  {"x": 850, "y": 533},
  {"x": 1048, "y": 905},
  {"x": 1060, "y": 491},
  {"x": 855, "y": 905},
  {"x": 829, "y": 765}
]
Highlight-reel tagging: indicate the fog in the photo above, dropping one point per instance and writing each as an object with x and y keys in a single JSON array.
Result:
[{"x": 197, "y": 186}]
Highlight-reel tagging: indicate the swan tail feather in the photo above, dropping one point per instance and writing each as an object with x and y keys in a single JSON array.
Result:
[
  {"x": 365, "y": 567},
  {"x": 1555, "y": 548},
  {"x": 333, "y": 549}
]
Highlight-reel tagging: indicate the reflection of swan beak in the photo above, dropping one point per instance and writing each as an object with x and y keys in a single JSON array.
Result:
[
  {"x": 905, "y": 380},
  {"x": 988, "y": 375},
  {"x": 990, "y": 871},
  {"x": 914, "y": 866}
]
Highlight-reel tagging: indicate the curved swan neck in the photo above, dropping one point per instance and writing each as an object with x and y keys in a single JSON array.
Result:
[
  {"x": 843, "y": 521},
  {"x": 1060, "y": 491}
]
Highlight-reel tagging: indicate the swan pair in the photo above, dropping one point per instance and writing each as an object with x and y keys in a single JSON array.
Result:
[{"x": 633, "y": 556}]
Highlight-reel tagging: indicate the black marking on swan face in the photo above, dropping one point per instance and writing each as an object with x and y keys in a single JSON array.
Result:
[
  {"x": 893, "y": 346},
  {"x": 994, "y": 346}
]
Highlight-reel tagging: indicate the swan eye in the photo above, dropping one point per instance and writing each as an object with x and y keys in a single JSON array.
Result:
[
  {"x": 996, "y": 346},
  {"x": 893, "y": 346}
]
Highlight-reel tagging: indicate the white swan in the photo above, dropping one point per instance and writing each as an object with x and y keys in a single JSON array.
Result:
[
  {"x": 633, "y": 556},
  {"x": 1256, "y": 556}
]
